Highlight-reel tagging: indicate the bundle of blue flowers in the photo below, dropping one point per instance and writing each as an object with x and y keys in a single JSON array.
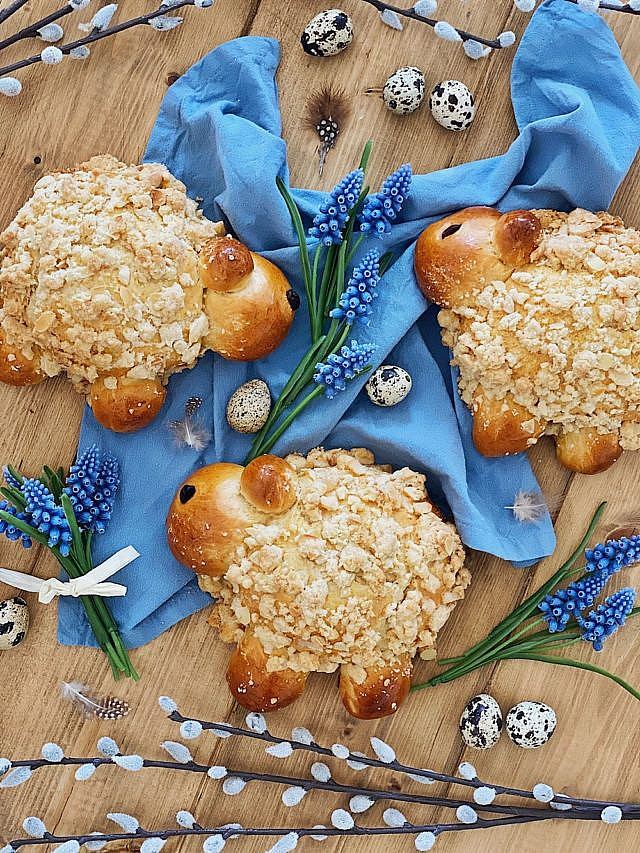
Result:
[
  {"x": 336, "y": 301},
  {"x": 63, "y": 514}
]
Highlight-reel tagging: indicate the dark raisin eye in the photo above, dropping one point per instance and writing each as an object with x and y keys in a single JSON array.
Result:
[
  {"x": 293, "y": 300},
  {"x": 449, "y": 230},
  {"x": 186, "y": 493}
]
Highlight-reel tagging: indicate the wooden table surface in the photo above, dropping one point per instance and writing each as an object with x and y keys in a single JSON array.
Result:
[{"x": 109, "y": 103}]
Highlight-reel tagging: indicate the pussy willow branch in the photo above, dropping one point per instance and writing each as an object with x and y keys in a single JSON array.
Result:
[
  {"x": 31, "y": 31},
  {"x": 398, "y": 767},
  {"x": 9, "y": 10},
  {"x": 411, "y": 13},
  {"x": 330, "y": 832},
  {"x": 339, "y": 788},
  {"x": 97, "y": 36}
]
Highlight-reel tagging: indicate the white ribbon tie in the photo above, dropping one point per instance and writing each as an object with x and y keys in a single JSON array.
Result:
[{"x": 93, "y": 583}]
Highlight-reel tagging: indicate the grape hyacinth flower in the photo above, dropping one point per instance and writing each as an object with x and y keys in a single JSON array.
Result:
[
  {"x": 46, "y": 516},
  {"x": 603, "y": 561},
  {"x": 341, "y": 367},
  {"x": 381, "y": 210},
  {"x": 329, "y": 223},
  {"x": 91, "y": 486},
  {"x": 607, "y": 618},
  {"x": 12, "y": 533},
  {"x": 355, "y": 302}
]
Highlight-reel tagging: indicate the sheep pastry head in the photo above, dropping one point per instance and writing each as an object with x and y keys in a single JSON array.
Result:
[
  {"x": 111, "y": 274},
  {"x": 318, "y": 563},
  {"x": 541, "y": 311}
]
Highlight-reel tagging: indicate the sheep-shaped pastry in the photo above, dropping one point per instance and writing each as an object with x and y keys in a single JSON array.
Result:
[
  {"x": 111, "y": 274},
  {"x": 542, "y": 312},
  {"x": 317, "y": 563}
]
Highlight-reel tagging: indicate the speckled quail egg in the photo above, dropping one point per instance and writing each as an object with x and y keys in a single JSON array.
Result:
[
  {"x": 531, "y": 724},
  {"x": 452, "y": 105},
  {"x": 481, "y": 722},
  {"x": 388, "y": 385},
  {"x": 14, "y": 622},
  {"x": 328, "y": 33},
  {"x": 249, "y": 406},
  {"x": 404, "y": 90}
]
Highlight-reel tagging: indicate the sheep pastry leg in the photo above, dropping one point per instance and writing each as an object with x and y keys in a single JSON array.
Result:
[
  {"x": 503, "y": 427},
  {"x": 253, "y": 686},
  {"x": 16, "y": 368},
  {"x": 377, "y": 691},
  {"x": 129, "y": 405},
  {"x": 587, "y": 451}
]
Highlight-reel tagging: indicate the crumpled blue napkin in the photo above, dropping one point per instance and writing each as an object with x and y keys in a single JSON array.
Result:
[{"x": 578, "y": 111}]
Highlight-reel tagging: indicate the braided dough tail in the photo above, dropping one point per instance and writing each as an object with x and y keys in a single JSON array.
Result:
[
  {"x": 16, "y": 368},
  {"x": 131, "y": 405}
]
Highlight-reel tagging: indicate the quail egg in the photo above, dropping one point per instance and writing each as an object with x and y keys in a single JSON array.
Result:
[
  {"x": 328, "y": 33},
  {"x": 14, "y": 622},
  {"x": 531, "y": 724},
  {"x": 404, "y": 90},
  {"x": 481, "y": 722},
  {"x": 388, "y": 385},
  {"x": 249, "y": 407},
  {"x": 452, "y": 105}
]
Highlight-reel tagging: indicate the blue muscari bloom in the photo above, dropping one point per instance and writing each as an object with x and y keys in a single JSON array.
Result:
[
  {"x": 355, "y": 302},
  {"x": 10, "y": 480},
  {"x": 603, "y": 561},
  {"x": 46, "y": 515},
  {"x": 614, "y": 555},
  {"x": 91, "y": 486},
  {"x": 334, "y": 212},
  {"x": 380, "y": 210},
  {"x": 607, "y": 618},
  {"x": 559, "y": 606},
  {"x": 342, "y": 366},
  {"x": 9, "y": 530}
]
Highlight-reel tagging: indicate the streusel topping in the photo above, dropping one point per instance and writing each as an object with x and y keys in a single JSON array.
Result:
[
  {"x": 360, "y": 571},
  {"x": 561, "y": 335},
  {"x": 99, "y": 271}
]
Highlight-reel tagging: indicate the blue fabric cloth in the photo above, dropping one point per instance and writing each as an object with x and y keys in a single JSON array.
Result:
[{"x": 578, "y": 112}]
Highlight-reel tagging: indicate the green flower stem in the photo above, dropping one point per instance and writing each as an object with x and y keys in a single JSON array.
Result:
[
  {"x": 530, "y": 604},
  {"x": 354, "y": 248},
  {"x": 316, "y": 331},
  {"x": 304, "y": 251},
  {"x": 286, "y": 423},
  {"x": 578, "y": 664}
]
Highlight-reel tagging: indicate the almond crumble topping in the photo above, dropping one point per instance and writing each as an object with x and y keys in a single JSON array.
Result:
[
  {"x": 562, "y": 334},
  {"x": 359, "y": 571},
  {"x": 99, "y": 273}
]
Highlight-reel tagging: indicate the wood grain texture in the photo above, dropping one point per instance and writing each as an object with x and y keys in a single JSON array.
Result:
[{"x": 109, "y": 103}]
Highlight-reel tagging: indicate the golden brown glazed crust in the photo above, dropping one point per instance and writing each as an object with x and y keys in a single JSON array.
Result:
[
  {"x": 261, "y": 312},
  {"x": 317, "y": 563},
  {"x": 16, "y": 368},
  {"x": 129, "y": 407},
  {"x": 381, "y": 693},
  {"x": 104, "y": 275},
  {"x": 541, "y": 310},
  {"x": 253, "y": 686}
]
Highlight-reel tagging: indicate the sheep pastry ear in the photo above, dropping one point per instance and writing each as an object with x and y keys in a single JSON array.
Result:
[
  {"x": 16, "y": 368},
  {"x": 253, "y": 686},
  {"x": 502, "y": 427},
  {"x": 248, "y": 300},
  {"x": 268, "y": 484},
  {"x": 377, "y": 691},
  {"x": 126, "y": 405},
  {"x": 460, "y": 253},
  {"x": 586, "y": 451}
]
